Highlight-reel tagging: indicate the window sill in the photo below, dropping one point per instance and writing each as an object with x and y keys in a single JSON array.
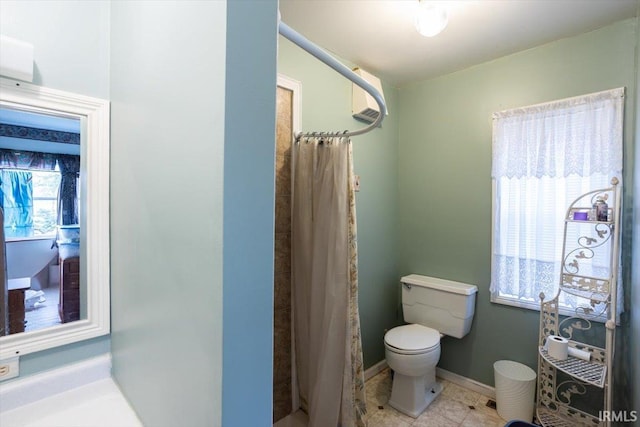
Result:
[{"x": 536, "y": 307}]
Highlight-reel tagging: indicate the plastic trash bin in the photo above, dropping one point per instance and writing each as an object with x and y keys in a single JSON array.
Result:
[{"x": 515, "y": 389}]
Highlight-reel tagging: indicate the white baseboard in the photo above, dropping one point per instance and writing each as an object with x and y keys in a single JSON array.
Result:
[
  {"x": 23, "y": 391},
  {"x": 467, "y": 383},
  {"x": 375, "y": 369}
]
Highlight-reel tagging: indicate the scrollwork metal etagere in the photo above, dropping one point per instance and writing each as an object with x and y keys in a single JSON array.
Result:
[{"x": 589, "y": 275}]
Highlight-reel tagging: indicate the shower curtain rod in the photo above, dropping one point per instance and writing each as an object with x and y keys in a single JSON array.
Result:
[{"x": 306, "y": 44}]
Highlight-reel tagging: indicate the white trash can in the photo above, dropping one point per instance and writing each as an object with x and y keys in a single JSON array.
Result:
[{"x": 515, "y": 389}]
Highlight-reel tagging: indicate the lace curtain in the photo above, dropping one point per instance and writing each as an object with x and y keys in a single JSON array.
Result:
[{"x": 544, "y": 157}]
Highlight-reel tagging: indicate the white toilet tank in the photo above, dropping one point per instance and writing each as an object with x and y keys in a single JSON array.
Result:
[{"x": 440, "y": 304}]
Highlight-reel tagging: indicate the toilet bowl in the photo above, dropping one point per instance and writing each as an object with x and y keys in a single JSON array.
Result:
[
  {"x": 432, "y": 307},
  {"x": 412, "y": 352}
]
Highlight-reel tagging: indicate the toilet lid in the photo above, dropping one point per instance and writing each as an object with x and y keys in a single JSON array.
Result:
[{"x": 412, "y": 337}]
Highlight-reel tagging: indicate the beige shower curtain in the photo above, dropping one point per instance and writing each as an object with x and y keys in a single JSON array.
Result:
[{"x": 325, "y": 284}]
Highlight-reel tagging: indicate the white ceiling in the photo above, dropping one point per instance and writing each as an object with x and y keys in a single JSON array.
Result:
[{"x": 380, "y": 36}]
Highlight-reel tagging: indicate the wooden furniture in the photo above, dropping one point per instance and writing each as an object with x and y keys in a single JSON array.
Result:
[
  {"x": 569, "y": 389},
  {"x": 69, "y": 305},
  {"x": 4, "y": 291},
  {"x": 16, "y": 288}
]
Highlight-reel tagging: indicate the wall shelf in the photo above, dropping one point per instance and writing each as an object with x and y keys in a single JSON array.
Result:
[
  {"x": 590, "y": 372},
  {"x": 549, "y": 418},
  {"x": 592, "y": 288},
  {"x": 589, "y": 275}
]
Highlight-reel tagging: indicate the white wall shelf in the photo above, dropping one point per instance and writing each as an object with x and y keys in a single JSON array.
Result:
[
  {"x": 589, "y": 274},
  {"x": 589, "y": 372}
]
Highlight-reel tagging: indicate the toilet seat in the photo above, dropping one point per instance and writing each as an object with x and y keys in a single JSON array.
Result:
[{"x": 412, "y": 339}]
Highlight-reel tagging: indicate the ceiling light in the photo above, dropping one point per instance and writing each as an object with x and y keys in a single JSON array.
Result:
[{"x": 431, "y": 18}]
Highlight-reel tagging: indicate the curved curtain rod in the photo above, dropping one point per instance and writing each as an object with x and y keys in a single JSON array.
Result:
[{"x": 306, "y": 44}]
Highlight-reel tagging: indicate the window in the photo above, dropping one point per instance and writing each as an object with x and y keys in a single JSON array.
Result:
[
  {"x": 45, "y": 201},
  {"x": 544, "y": 157},
  {"x": 38, "y": 191},
  {"x": 30, "y": 202}
]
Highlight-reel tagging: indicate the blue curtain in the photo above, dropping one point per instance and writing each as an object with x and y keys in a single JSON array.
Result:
[
  {"x": 67, "y": 196},
  {"x": 17, "y": 189},
  {"x": 16, "y": 197}
]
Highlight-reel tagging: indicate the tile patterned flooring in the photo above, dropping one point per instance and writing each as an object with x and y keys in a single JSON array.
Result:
[{"x": 456, "y": 406}]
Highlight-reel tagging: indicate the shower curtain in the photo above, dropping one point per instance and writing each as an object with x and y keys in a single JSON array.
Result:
[{"x": 325, "y": 283}]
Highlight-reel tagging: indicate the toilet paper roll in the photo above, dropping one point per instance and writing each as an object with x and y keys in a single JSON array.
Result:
[
  {"x": 557, "y": 347},
  {"x": 580, "y": 354}
]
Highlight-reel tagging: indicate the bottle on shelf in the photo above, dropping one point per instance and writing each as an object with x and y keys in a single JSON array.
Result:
[{"x": 600, "y": 209}]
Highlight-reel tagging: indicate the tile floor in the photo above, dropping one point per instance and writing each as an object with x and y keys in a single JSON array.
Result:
[{"x": 456, "y": 406}]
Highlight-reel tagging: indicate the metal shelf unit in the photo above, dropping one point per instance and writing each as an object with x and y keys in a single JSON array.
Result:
[
  {"x": 589, "y": 372},
  {"x": 589, "y": 276}
]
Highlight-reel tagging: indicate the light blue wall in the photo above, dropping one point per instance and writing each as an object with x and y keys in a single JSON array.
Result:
[
  {"x": 71, "y": 42},
  {"x": 326, "y": 106},
  {"x": 71, "y": 53},
  {"x": 168, "y": 102},
  {"x": 445, "y": 184},
  {"x": 249, "y": 163},
  {"x": 167, "y": 148}
]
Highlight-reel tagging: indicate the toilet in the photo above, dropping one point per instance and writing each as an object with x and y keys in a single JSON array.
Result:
[{"x": 433, "y": 308}]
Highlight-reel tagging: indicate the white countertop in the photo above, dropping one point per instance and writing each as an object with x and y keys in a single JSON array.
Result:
[
  {"x": 80, "y": 394},
  {"x": 97, "y": 404},
  {"x": 21, "y": 283}
]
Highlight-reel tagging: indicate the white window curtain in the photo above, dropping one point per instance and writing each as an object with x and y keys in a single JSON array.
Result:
[{"x": 544, "y": 157}]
